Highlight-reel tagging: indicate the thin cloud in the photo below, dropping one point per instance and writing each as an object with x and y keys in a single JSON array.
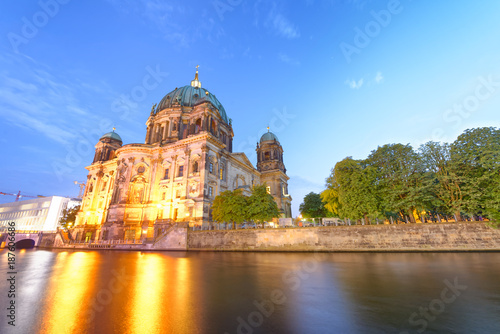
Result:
[
  {"x": 353, "y": 84},
  {"x": 274, "y": 20},
  {"x": 163, "y": 16},
  {"x": 284, "y": 27},
  {"x": 288, "y": 60},
  {"x": 379, "y": 78},
  {"x": 35, "y": 100}
]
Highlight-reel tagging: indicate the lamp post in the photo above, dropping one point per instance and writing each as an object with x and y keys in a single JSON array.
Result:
[{"x": 82, "y": 186}]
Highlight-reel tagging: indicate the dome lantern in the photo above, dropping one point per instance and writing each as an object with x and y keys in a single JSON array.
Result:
[
  {"x": 112, "y": 135},
  {"x": 268, "y": 136},
  {"x": 196, "y": 83}
]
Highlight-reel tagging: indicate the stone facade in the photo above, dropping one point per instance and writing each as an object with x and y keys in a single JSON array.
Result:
[
  {"x": 273, "y": 172},
  {"x": 185, "y": 161},
  {"x": 410, "y": 237}
]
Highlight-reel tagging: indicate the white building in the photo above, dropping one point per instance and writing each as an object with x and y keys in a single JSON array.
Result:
[{"x": 39, "y": 214}]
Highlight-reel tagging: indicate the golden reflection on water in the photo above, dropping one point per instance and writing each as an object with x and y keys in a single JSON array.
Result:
[
  {"x": 184, "y": 320},
  {"x": 71, "y": 288},
  {"x": 148, "y": 290},
  {"x": 160, "y": 301}
]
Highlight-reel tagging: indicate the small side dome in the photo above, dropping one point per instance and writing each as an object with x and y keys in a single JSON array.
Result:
[
  {"x": 268, "y": 136},
  {"x": 112, "y": 135}
]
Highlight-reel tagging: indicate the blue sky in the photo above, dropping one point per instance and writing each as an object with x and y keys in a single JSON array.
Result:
[{"x": 331, "y": 78}]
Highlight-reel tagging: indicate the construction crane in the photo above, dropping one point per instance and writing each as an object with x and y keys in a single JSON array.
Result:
[{"x": 18, "y": 195}]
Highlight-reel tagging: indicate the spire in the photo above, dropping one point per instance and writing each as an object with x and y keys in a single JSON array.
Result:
[
  {"x": 196, "y": 83},
  {"x": 268, "y": 129}
]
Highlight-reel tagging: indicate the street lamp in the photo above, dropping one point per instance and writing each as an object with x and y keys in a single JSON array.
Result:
[{"x": 82, "y": 186}]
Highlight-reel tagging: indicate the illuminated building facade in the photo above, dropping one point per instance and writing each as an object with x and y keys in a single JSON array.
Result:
[
  {"x": 186, "y": 160},
  {"x": 39, "y": 214}
]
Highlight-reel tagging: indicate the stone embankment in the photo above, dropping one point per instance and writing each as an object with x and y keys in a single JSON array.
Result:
[
  {"x": 175, "y": 238},
  {"x": 466, "y": 236}
]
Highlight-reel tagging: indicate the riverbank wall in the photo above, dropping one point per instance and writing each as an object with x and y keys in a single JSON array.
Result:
[
  {"x": 174, "y": 238},
  {"x": 465, "y": 236},
  {"x": 438, "y": 237}
]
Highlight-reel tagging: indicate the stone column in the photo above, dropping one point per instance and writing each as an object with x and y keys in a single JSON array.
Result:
[
  {"x": 172, "y": 171},
  {"x": 165, "y": 131},
  {"x": 187, "y": 154},
  {"x": 148, "y": 133}
]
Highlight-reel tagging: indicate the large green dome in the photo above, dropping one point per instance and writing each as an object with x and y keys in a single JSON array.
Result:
[{"x": 191, "y": 95}]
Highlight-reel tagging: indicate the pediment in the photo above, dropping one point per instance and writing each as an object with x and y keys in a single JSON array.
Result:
[{"x": 242, "y": 157}]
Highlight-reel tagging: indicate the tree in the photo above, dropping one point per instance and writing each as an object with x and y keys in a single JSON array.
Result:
[
  {"x": 230, "y": 206},
  {"x": 398, "y": 178},
  {"x": 447, "y": 178},
  {"x": 68, "y": 217},
  {"x": 441, "y": 180},
  {"x": 475, "y": 156},
  {"x": 261, "y": 205},
  {"x": 355, "y": 189},
  {"x": 330, "y": 197},
  {"x": 313, "y": 206}
]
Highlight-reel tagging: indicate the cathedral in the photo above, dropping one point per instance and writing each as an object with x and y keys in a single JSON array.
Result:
[{"x": 186, "y": 160}]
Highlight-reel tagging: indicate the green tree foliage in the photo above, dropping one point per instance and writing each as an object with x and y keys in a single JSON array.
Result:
[
  {"x": 313, "y": 206},
  {"x": 441, "y": 178},
  {"x": 457, "y": 178},
  {"x": 69, "y": 217},
  {"x": 350, "y": 190},
  {"x": 330, "y": 196},
  {"x": 234, "y": 207},
  {"x": 230, "y": 206},
  {"x": 475, "y": 155},
  {"x": 261, "y": 206},
  {"x": 398, "y": 179}
]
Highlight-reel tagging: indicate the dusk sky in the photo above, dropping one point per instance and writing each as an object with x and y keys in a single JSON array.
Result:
[{"x": 331, "y": 78}]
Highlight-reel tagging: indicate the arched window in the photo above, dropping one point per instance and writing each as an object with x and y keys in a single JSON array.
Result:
[
  {"x": 197, "y": 126},
  {"x": 195, "y": 167},
  {"x": 221, "y": 176},
  {"x": 267, "y": 156},
  {"x": 213, "y": 127},
  {"x": 211, "y": 167}
]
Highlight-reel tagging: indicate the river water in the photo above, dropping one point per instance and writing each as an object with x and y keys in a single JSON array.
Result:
[{"x": 236, "y": 292}]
